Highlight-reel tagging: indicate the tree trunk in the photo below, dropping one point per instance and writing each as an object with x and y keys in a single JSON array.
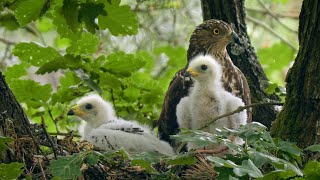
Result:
[
  {"x": 243, "y": 56},
  {"x": 10, "y": 110},
  {"x": 299, "y": 119}
]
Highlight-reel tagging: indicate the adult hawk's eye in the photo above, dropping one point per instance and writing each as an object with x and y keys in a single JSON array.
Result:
[
  {"x": 216, "y": 31},
  {"x": 203, "y": 67},
  {"x": 89, "y": 106}
]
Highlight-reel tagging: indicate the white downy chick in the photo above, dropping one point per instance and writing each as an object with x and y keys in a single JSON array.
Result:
[
  {"x": 207, "y": 100},
  {"x": 108, "y": 132}
]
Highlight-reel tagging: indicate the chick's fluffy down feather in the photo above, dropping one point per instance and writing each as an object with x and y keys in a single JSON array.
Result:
[
  {"x": 207, "y": 100},
  {"x": 108, "y": 132}
]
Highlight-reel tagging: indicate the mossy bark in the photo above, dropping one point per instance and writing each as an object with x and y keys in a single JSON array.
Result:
[
  {"x": 243, "y": 56},
  {"x": 299, "y": 120}
]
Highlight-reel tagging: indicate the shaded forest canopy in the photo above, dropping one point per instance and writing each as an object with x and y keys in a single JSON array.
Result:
[{"x": 128, "y": 54}]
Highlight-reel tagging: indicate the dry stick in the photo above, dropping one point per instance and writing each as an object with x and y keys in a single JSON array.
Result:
[
  {"x": 268, "y": 28},
  {"x": 50, "y": 141},
  {"x": 239, "y": 109},
  {"x": 276, "y": 17},
  {"x": 62, "y": 134}
]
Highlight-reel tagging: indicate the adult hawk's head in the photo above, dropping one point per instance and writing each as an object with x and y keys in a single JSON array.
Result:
[{"x": 211, "y": 37}]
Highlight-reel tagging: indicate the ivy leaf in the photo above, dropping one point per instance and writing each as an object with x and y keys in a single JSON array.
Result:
[
  {"x": 247, "y": 167},
  {"x": 11, "y": 171},
  {"x": 86, "y": 45},
  {"x": 200, "y": 138},
  {"x": 219, "y": 162},
  {"x": 30, "y": 92},
  {"x": 184, "y": 159},
  {"x": 28, "y": 10},
  {"x": 35, "y": 54},
  {"x": 120, "y": 20},
  {"x": 123, "y": 64},
  {"x": 86, "y": 79},
  {"x": 278, "y": 174},
  {"x": 88, "y": 13},
  {"x": 314, "y": 148},
  {"x": 64, "y": 62},
  {"x": 67, "y": 167}
]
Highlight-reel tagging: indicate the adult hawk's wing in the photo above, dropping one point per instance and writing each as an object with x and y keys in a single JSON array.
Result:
[{"x": 178, "y": 88}]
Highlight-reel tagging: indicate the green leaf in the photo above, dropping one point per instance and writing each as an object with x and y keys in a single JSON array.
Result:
[
  {"x": 200, "y": 138},
  {"x": 184, "y": 159},
  {"x": 28, "y": 10},
  {"x": 123, "y": 64},
  {"x": 11, "y": 171},
  {"x": 311, "y": 170},
  {"x": 9, "y": 21},
  {"x": 86, "y": 45},
  {"x": 131, "y": 94},
  {"x": 70, "y": 11},
  {"x": 88, "y": 13},
  {"x": 86, "y": 79},
  {"x": 93, "y": 158},
  {"x": 247, "y": 167},
  {"x": 67, "y": 167},
  {"x": 61, "y": 23},
  {"x": 35, "y": 54},
  {"x": 64, "y": 62},
  {"x": 177, "y": 55},
  {"x": 278, "y": 174},
  {"x": 16, "y": 71},
  {"x": 31, "y": 92},
  {"x": 219, "y": 162},
  {"x": 3, "y": 141},
  {"x": 144, "y": 164},
  {"x": 276, "y": 162},
  {"x": 120, "y": 20},
  {"x": 314, "y": 148},
  {"x": 45, "y": 24}
]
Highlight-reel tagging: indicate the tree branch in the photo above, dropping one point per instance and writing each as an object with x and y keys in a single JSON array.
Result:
[
  {"x": 275, "y": 17},
  {"x": 241, "y": 108},
  {"x": 268, "y": 28},
  {"x": 280, "y": 15}
]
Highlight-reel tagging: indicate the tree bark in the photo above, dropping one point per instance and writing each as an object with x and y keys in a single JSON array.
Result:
[
  {"x": 10, "y": 110},
  {"x": 243, "y": 56},
  {"x": 299, "y": 119}
]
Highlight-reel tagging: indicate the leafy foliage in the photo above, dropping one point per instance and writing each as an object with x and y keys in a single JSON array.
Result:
[
  {"x": 67, "y": 167},
  {"x": 11, "y": 171}
]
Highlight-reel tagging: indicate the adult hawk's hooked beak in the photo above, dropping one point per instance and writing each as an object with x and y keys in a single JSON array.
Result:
[
  {"x": 235, "y": 38},
  {"x": 190, "y": 72},
  {"x": 76, "y": 110}
]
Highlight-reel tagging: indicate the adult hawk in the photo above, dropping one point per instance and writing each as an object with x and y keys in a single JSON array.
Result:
[{"x": 211, "y": 37}]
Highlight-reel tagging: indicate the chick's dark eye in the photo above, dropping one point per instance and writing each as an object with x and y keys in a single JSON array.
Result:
[
  {"x": 89, "y": 106},
  {"x": 203, "y": 67}
]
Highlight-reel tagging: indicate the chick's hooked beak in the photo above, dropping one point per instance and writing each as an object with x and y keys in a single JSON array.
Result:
[
  {"x": 190, "y": 72},
  {"x": 75, "y": 110}
]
